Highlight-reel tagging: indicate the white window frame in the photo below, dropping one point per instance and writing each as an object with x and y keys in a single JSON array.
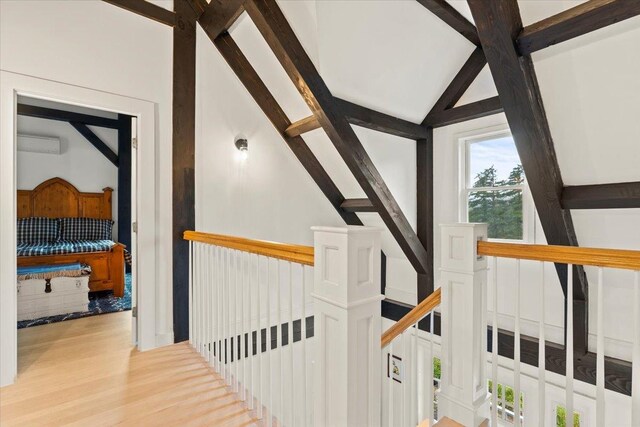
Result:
[{"x": 464, "y": 182}]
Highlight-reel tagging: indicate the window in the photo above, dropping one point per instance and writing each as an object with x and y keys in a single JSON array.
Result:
[{"x": 493, "y": 186}]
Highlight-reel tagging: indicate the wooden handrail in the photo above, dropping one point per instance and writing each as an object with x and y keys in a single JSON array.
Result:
[
  {"x": 612, "y": 258},
  {"x": 293, "y": 253},
  {"x": 409, "y": 319}
]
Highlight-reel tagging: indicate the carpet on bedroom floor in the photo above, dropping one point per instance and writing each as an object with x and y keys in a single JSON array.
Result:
[{"x": 99, "y": 303}]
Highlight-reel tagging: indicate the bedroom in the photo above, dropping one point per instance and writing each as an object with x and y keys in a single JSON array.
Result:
[{"x": 73, "y": 176}]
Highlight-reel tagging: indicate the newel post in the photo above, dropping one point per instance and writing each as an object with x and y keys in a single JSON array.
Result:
[
  {"x": 463, "y": 396},
  {"x": 346, "y": 292}
]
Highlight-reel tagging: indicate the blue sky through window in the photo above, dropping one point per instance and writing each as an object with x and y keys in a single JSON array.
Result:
[{"x": 499, "y": 152}]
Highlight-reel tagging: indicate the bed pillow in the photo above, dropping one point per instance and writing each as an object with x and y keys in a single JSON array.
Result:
[
  {"x": 38, "y": 230},
  {"x": 85, "y": 229}
]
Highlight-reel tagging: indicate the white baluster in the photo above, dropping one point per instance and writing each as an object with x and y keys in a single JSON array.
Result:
[
  {"x": 541, "y": 354},
  {"x": 403, "y": 404},
  {"x": 251, "y": 340},
  {"x": 414, "y": 378},
  {"x": 290, "y": 333},
  {"x": 280, "y": 413},
  {"x": 600, "y": 352},
  {"x": 207, "y": 303},
  {"x": 212, "y": 266},
  {"x": 191, "y": 292},
  {"x": 243, "y": 346},
  {"x": 390, "y": 382},
  {"x": 259, "y": 355},
  {"x": 430, "y": 392},
  {"x": 227, "y": 330},
  {"x": 247, "y": 351},
  {"x": 303, "y": 339},
  {"x": 494, "y": 346},
  {"x": 635, "y": 370},
  {"x": 569, "y": 348},
  {"x": 269, "y": 340},
  {"x": 516, "y": 351},
  {"x": 199, "y": 299},
  {"x": 219, "y": 278},
  {"x": 233, "y": 337}
]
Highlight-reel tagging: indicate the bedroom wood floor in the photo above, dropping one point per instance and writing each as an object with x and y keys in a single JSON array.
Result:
[{"x": 84, "y": 372}]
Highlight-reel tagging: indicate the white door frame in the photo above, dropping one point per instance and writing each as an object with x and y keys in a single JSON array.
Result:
[{"x": 12, "y": 85}]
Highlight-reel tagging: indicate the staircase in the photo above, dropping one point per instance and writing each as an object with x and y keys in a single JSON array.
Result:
[{"x": 296, "y": 333}]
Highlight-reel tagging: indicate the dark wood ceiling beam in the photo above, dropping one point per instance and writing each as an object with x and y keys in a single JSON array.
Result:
[
  {"x": 303, "y": 126},
  {"x": 146, "y": 9},
  {"x": 367, "y": 118},
  {"x": 602, "y": 196},
  {"x": 453, "y": 18},
  {"x": 265, "y": 100},
  {"x": 574, "y": 22},
  {"x": 499, "y": 24},
  {"x": 463, "y": 113},
  {"x": 358, "y": 205},
  {"x": 274, "y": 27},
  {"x": 371, "y": 119},
  {"x": 96, "y": 142},
  {"x": 460, "y": 82},
  {"x": 219, "y": 16},
  {"x": 66, "y": 116}
]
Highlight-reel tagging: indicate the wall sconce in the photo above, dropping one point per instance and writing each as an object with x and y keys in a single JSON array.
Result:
[{"x": 243, "y": 148}]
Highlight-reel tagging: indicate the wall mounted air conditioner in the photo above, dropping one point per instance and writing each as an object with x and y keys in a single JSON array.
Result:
[{"x": 39, "y": 144}]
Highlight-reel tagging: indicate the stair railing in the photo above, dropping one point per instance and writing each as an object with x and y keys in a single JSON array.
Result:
[
  {"x": 250, "y": 319},
  {"x": 536, "y": 257}
]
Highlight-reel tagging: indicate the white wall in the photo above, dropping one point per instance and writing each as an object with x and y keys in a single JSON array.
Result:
[
  {"x": 96, "y": 45},
  {"x": 79, "y": 162}
]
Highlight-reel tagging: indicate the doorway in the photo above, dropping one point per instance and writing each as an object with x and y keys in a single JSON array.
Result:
[{"x": 15, "y": 87}]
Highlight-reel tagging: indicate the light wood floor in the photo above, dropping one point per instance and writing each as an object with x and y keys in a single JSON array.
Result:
[{"x": 84, "y": 372}]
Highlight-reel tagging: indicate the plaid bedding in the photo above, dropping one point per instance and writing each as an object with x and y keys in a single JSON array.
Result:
[
  {"x": 37, "y": 230},
  {"x": 85, "y": 229},
  {"x": 64, "y": 247}
]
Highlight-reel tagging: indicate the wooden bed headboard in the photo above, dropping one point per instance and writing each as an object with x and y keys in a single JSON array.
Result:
[{"x": 56, "y": 198}]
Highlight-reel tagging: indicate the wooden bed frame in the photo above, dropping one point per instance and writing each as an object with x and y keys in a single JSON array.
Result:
[{"x": 56, "y": 198}]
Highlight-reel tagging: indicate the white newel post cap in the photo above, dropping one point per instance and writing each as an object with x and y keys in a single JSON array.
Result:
[
  {"x": 347, "y": 264},
  {"x": 459, "y": 247}
]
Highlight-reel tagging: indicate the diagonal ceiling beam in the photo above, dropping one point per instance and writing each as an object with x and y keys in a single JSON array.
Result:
[
  {"x": 453, "y": 18},
  {"x": 274, "y": 27},
  {"x": 265, "y": 100},
  {"x": 219, "y": 16},
  {"x": 461, "y": 81},
  {"x": 96, "y": 142},
  {"x": 473, "y": 110},
  {"x": 371, "y": 119},
  {"x": 146, "y": 9},
  {"x": 367, "y": 118},
  {"x": 574, "y": 22},
  {"x": 499, "y": 24}
]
